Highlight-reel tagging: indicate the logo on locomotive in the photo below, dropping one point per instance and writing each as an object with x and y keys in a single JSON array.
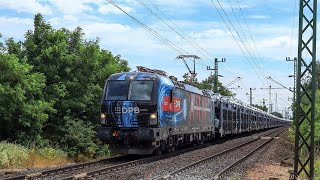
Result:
[{"x": 124, "y": 110}]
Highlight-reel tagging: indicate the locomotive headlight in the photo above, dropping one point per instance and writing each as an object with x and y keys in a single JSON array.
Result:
[
  {"x": 153, "y": 116},
  {"x": 153, "y": 119},
  {"x": 103, "y": 118}
]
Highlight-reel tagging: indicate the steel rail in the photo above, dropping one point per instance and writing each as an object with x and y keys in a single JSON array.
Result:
[
  {"x": 202, "y": 161},
  {"x": 61, "y": 170},
  {"x": 221, "y": 173},
  {"x": 130, "y": 164},
  {"x": 105, "y": 170}
]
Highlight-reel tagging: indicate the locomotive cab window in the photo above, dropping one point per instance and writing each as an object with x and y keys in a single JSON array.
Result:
[
  {"x": 117, "y": 90},
  {"x": 140, "y": 90}
]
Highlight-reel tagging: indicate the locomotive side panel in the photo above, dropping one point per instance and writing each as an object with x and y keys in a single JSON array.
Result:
[{"x": 186, "y": 112}]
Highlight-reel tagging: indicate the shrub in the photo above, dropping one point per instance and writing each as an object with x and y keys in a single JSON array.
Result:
[
  {"x": 46, "y": 157},
  {"x": 12, "y": 155},
  {"x": 17, "y": 156}
]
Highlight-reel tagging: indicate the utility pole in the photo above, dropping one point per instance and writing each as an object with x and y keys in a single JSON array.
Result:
[
  {"x": 306, "y": 90},
  {"x": 216, "y": 67},
  {"x": 270, "y": 104},
  {"x": 251, "y": 95},
  {"x": 264, "y": 102},
  {"x": 276, "y": 104},
  {"x": 294, "y": 75}
]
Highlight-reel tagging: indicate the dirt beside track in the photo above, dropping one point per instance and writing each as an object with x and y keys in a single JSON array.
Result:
[{"x": 271, "y": 163}]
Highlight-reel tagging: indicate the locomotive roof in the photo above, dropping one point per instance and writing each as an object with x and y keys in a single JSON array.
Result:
[{"x": 154, "y": 76}]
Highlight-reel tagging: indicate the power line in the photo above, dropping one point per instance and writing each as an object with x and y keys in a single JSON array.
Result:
[
  {"x": 234, "y": 36},
  {"x": 245, "y": 38},
  {"x": 182, "y": 34},
  {"x": 293, "y": 24},
  {"x": 250, "y": 33},
  {"x": 154, "y": 33}
]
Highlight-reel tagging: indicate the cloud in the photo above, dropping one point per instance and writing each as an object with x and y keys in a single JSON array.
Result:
[
  {"x": 72, "y": 6},
  {"x": 110, "y": 9},
  {"x": 15, "y": 27},
  {"x": 258, "y": 17},
  {"x": 27, "y": 6}
]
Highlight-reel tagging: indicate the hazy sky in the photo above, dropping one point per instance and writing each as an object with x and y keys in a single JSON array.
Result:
[{"x": 199, "y": 30}]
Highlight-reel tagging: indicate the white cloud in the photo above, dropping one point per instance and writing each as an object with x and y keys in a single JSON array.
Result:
[
  {"x": 258, "y": 17},
  {"x": 110, "y": 9},
  {"x": 104, "y": 28},
  {"x": 72, "y": 6},
  {"x": 15, "y": 27},
  {"x": 28, "y": 6}
]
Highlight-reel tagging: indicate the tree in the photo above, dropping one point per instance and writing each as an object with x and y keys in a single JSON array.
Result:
[
  {"x": 277, "y": 114},
  {"x": 23, "y": 110},
  {"x": 209, "y": 82},
  {"x": 69, "y": 73},
  {"x": 263, "y": 108}
]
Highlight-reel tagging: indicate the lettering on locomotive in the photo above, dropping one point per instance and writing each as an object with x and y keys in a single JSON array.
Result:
[{"x": 124, "y": 110}]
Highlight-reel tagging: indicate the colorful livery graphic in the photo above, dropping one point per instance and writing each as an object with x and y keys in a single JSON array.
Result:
[{"x": 147, "y": 112}]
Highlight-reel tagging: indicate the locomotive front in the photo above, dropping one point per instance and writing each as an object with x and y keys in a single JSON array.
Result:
[{"x": 129, "y": 113}]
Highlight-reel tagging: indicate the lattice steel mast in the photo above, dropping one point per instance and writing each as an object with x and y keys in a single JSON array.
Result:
[{"x": 306, "y": 89}]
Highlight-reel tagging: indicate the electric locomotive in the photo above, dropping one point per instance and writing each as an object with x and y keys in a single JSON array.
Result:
[{"x": 148, "y": 112}]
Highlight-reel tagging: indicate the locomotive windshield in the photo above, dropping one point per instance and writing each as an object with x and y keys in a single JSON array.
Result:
[
  {"x": 140, "y": 90},
  {"x": 117, "y": 90},
  {"x": 129, "y": 90}
]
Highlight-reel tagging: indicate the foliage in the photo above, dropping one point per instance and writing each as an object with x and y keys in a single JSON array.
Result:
[
  {"x": 16, "y": 156},
  {"x": 12, "y": 155},
  {"x": 277, "y": 114},
  {"x": 23, "y": 110},
  {"x": 50, "y": 88},
  {"x": 208, "y": 84},
  {"x": 263, "y": 108},
  {"x": 317, "y": 167}
]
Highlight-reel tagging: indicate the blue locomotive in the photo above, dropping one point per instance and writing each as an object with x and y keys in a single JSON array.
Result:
[{"x": 147, "y": 112}]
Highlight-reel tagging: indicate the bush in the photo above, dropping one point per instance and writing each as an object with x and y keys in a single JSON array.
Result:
[
  {"x": 50, "y": 153},
  {"x": 46, "y": 157},
  {"x": 17, "y": 156},
  {"x": 317, "y": 167},
  {"x": 103, "y": 151},
  {"x": 12, "y": 155}
]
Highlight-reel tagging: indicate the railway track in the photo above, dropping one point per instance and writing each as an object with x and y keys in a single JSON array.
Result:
[
  {"x": 57, "y": 173},
  {"x": 182, "y": 173},
  {"x": 100, "y": 167}
]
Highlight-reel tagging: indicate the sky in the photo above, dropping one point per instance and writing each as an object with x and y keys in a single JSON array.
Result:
[{"x": 254, "y": 36}]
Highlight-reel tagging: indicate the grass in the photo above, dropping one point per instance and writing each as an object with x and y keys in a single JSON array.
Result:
[
  {"x": 317, "y": 167},
  {"x": 12, "y": 155},
  {"x": 17, "y": 156}
]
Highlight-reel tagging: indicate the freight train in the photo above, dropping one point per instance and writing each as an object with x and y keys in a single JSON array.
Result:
[{"x": 146, "y": 112}]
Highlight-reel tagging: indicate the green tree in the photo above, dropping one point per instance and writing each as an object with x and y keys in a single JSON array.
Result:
[
  {"x": 72, "y": 73},
  {"x": 277, "y": 114},
  {"x": 23, "y": 110},
  {"x": 209, "y": 82},
  {"x": 263, "y": 108}
]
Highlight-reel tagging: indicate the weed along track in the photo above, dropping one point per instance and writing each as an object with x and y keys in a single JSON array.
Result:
[
  {"x": 125, "y": 166},
  {"x": 158, "y": 166},
  {"x": 61, "y": 172}
]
